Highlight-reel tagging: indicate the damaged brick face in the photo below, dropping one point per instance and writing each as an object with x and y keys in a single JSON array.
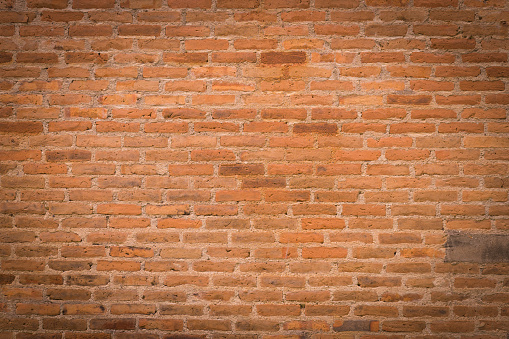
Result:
[{"x": 249, "y": 169}]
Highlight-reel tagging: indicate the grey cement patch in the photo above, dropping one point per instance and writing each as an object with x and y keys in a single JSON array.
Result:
[{"x": 480, "y": 248}]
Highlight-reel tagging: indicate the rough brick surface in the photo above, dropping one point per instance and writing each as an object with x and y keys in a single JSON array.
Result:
[{"x": 272, "y": 169}]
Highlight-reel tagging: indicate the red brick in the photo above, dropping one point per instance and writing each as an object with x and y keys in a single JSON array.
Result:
[
  {"x": 337, "y": 3},
  {"x": 88, "y": 4},
  {"x": 90, "y": 30},
  {"x": 283, "y": 57},
  {"x": 53, "y": 4},
  {"x": 112, "y": 324},
  {"x": 119, "y": 209},
  {"x": 403, "y": 326}
]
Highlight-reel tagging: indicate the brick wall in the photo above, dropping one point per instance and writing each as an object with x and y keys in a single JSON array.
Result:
[{"x": 254, "y": 169}]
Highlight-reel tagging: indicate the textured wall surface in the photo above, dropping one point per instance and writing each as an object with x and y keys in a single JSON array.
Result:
[{"x": 254, "y": 169}]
